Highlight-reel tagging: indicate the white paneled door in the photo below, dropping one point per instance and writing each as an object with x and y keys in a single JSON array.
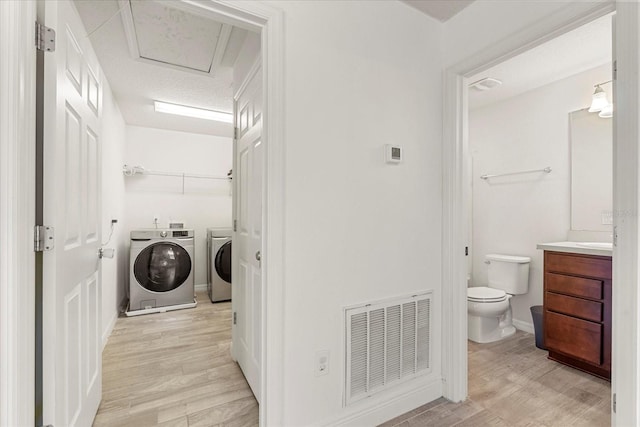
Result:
[
  {"x": 247, "y": 244},
  {"x": 72, "y": 351}
]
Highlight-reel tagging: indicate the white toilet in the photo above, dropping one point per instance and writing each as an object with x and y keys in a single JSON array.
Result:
[{"x": 489, "y": 308}]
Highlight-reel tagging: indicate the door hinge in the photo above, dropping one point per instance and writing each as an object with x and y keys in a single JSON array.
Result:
[
  {"x": 235, "y": 225},
  {"x": 614, "y": 403},
  {"x": 235, "y": 133},
  {"x": 42, "y": 238},
  {"x": 615, "y": 236},
  {"x": 45, "y": 38},
  {"x": 615, "y": 70},
  {"x": 235, "y": 319},
  {"x": 466, "y": 251}
]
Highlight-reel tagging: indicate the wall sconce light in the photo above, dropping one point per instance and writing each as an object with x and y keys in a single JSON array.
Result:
[{"x": 600, "y": 103}]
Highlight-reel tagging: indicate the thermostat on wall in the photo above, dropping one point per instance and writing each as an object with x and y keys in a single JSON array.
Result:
[{"x": 393, "y": 153}]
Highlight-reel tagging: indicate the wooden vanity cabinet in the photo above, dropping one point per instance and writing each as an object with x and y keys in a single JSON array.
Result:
[{"x": 577, "y": 311}]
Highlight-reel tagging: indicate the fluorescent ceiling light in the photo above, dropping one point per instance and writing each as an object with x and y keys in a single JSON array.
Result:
[{"x": 200, "y": 113}]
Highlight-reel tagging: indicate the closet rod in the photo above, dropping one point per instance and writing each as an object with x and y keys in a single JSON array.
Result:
[{"x": 545, "y": 170}]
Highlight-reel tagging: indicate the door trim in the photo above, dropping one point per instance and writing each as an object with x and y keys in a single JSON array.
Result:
[
  {"x": 17, "y": 213},
  {"x": 269, "y": 21},
  {"x": 455, "y": 209}
]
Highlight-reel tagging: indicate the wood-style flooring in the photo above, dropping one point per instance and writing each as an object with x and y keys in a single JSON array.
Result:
[
  {"x": 175, "y": 369},
  {"x": 512, "y": 383}
]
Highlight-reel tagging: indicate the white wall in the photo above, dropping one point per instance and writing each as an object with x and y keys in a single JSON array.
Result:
[
  {"x": 511, "y": 215},
  {"x": 246, "y": 59},
  {"x": 485, "y": 23},
  {"x": 357, "y": 229},
  {"x": 113, "y": 193},
  {"x": 205, "y": 203}
]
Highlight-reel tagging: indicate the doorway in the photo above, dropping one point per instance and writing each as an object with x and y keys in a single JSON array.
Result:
[
  {"x": 455, "y": 234},
  {"x": 268, "y": 22},
  {"x": 525, "y": 185}
]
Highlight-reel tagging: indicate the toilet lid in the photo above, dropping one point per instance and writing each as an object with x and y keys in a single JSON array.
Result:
[{"x": 482, "y": 293}]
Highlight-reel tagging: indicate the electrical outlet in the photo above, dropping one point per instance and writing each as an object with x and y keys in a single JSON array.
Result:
[
  {"x": 322, "y": 362},
  {"x": 607, "y": 218}
]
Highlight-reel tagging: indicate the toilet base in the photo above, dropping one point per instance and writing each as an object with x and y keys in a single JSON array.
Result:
[{"x": 488, "y": 329}]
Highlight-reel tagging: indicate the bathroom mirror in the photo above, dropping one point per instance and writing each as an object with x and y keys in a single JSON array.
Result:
[{"x": 591, "y": 140}]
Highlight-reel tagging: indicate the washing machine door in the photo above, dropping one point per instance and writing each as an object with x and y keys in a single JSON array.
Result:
[
  {"x": 223, "y": 262},
  {"x": 162, "y": 267}
]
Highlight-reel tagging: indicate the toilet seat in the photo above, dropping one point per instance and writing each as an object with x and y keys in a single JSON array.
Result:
[{"x": 485, "y": 294}]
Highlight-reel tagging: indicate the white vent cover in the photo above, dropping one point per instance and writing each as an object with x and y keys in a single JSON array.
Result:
[
  {"x": 485, "y": 84},
  {"x": 387, "y": 344}
]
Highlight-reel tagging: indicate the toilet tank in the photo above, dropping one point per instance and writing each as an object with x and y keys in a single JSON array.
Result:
[{"x": 509, "y": 273}]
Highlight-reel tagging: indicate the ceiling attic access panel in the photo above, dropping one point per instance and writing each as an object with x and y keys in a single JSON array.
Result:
[{"x": 164, "y": 35}]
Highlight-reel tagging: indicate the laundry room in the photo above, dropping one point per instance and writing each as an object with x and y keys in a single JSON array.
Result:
[
  {"x": 166, "y": 81},
  {"x": 176, "y": 179},
  {"x": 170, "y": 165}
]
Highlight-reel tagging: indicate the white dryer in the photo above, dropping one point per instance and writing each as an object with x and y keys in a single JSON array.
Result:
[
  {"x": 161, "y": 269},
  {"x": 219, "y": 264}
]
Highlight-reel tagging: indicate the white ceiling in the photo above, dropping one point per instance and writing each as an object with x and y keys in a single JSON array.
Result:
[
  {"x": 442, "y": 10},
  {"x": 170, "y": 55},
  {"x": 579, "y": 50}
]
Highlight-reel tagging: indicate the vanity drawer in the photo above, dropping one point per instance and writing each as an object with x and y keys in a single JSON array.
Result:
[
  {"x": 577, "y": 286},
  {"x": 577, "y": 338},
  {"x": 578, "y": 307},
  {"x": 582, "y": 265}
]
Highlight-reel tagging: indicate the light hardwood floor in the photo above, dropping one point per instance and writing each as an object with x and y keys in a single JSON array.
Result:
[
  {"x": 512, "y": 383},
  {"x": 175, "y": 369}
]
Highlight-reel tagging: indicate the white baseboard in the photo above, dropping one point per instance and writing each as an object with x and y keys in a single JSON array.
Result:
[
  {"x": 107, "y": 331},
  {"x": 202, "y": 287},
  {"x": 379, "y": 409},
  {"x": 523, "y": 326}
]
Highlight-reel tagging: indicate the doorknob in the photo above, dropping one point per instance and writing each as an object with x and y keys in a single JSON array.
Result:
[{"x": 258, "y": 256}]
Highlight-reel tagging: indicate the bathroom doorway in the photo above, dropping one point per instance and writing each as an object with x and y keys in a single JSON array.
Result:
[
  {"x": 520, "y": 167},
  {"x": 456, "y": 217}
]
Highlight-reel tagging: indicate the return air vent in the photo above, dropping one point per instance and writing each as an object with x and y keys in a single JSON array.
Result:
[{"x": 387, "y": 344}]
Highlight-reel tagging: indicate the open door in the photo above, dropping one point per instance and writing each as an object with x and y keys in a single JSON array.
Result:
[
  {"x": 72, "y": 295},
  {"x": 247, "y": 245}
]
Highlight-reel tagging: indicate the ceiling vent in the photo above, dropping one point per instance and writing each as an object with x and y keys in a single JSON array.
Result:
[{"x": 485, "y": 84}]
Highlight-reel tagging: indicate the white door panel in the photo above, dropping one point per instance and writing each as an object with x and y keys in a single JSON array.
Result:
[
  {"x": 71, "y": 287},
  {"x": 247, "y": 245}
]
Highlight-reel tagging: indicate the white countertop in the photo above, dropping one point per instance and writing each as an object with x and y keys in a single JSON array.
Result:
[{"x": 586, "y": 248}]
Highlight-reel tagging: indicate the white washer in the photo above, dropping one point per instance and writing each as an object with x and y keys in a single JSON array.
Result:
[
  {"x": 161, "y": 270},
  {"x": 219, "y": 264}
]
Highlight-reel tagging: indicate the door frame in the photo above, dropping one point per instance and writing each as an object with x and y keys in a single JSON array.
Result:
[
  {"x": 269, "y": 21},
  {"x": 18, "y": 195},
  {"x": 17, "y": 212},
  {"x": 625, "y": 373}
]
